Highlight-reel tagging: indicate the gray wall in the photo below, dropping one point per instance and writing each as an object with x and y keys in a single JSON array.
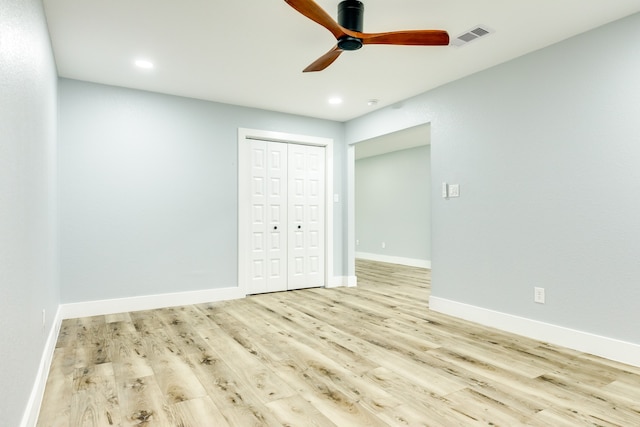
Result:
[
  {"x": 27, "y": 200},
  {"x": 148, "y": 190},
  {"x": 392, "y": 204},
  {"x": 546, "y": 149}
]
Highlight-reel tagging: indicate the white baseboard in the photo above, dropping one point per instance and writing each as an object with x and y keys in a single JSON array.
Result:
[
  {"x": 30, "y": 416},
  {"x": 609, "y": 348},
  {"x": 352, "y": 281},
  {"x": 342, "y": 281},
  {"x": 335, "y": 282},
  {"x": 411, "y": 262},
  {"x": 148, "y": 302}
]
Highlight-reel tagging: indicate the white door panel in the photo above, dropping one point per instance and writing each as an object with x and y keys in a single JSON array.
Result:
[
  {"x": 306, "y": 223},
  {"x": 287, "y": 216},
  {"x": 268, "y": 198},
  {"x": 276, "y": 223},
  {"x": 257, "y": 277}
]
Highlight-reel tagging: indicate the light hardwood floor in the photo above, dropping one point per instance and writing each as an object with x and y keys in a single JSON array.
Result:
[{"x": 367, "y": 356}]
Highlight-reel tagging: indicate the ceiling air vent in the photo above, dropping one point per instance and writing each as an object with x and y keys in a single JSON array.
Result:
[{"x": 475, "y": 33}]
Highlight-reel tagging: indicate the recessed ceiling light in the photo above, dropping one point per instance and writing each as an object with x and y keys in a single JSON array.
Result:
[
  {"x": 144, "y": 64},
  {"x": 335, "y": 100},
  {"x": 372, "y": 102}
]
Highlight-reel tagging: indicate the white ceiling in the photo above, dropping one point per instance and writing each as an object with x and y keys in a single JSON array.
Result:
[{"x": 252, "y": 52}]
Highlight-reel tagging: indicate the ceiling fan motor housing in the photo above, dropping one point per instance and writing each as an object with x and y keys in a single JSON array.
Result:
[{"x": 350, "y": 16}]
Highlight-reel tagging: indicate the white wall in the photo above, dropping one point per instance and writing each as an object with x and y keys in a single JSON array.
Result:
[
  {"x": 148, "y": 186},
  {"x": 27, "y": 201},
  {"x": 392, "y": 203},
  {"x": 546, "y": 150}
]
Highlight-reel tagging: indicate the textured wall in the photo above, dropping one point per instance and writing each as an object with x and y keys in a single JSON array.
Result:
[
  {"x": 27, "y": 200},
  {"x": 546, "y": 150},
  {"x": 148, "y": 190}
]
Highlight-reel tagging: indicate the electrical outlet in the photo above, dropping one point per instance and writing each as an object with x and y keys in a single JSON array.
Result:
[
  {"x": 357, "y": 242},
  {"x": 44, "y": 319},
  {"x": 538, "y": 295},
  {"x": 384, "y": 245}
]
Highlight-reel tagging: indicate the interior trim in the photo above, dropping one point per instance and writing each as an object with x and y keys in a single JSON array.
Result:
[
  {"x": 411, "y": 262},
  {"x": 30, "y": 415},
  {"x": 147, "y": 302},
  {"x": 609, "y": 348},
  {"x": 245, "y": 135}
]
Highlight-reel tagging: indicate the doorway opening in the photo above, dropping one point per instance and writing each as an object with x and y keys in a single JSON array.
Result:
[{"x": 392, "y": 198}]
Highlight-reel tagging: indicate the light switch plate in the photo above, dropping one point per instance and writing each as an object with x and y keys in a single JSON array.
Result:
[{"x": 454, "y": 190}]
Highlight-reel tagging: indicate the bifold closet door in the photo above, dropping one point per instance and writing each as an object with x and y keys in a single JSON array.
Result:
[
  {"x": 306, "y": 216},
  {"x": 287, "y": 217},
  {"x": 268, "y": 217}
]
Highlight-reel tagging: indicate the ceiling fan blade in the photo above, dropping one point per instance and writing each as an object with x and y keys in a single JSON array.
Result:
[
  {"x": 407, "y": 38},
  {"x": 311, "y": 10},
  {"x": 324, "y": 61}
]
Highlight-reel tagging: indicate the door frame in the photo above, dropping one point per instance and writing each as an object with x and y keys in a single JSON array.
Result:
[{"x": 245, "y": 136}]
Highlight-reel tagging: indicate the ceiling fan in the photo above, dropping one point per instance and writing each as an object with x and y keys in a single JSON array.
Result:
[{"x": 348, "y": 31}]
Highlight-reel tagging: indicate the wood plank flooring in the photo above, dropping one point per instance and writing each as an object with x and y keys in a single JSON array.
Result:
[{"x": 367, "y": 356}]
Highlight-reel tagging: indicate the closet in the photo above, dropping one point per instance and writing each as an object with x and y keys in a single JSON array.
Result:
[{"x": 287, "y": 217}]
